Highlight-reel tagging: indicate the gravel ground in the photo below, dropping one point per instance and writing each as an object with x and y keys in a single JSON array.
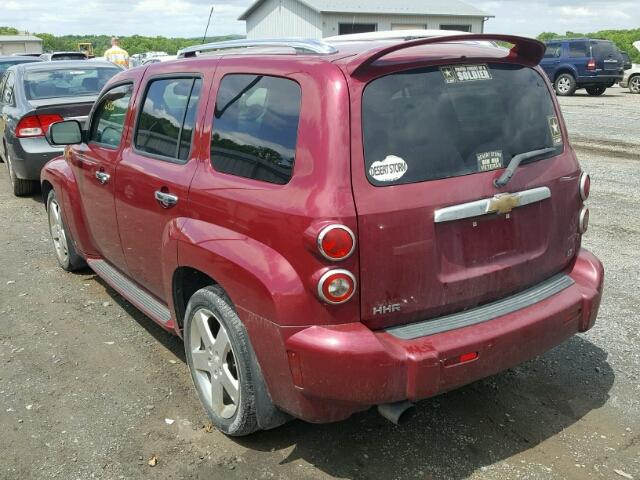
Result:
[{"x": 91, "y": 388}]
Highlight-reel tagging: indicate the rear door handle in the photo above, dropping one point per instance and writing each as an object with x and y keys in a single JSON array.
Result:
[
  {"x": 167, "y": 200},
  {"x": 102, "y": 177}
]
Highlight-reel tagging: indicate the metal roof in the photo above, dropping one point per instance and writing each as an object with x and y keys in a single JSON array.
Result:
[
  {"x": 19, "y": 38},
  {"x": 386, "y": 7}
]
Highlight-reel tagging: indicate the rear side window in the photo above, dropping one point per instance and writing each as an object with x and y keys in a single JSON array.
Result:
[
  {"x": 255, "y": 128},
  {"x": 553, "y": 51},
  {"x": 107, "y": 124},
  {"x": 578, "y": 50},
  {"x": 435, "y": 123},
  {"x": 165, "y": 126}
]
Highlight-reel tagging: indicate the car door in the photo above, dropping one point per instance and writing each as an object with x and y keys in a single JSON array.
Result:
[
  {"x": 579, "y": 55},
  {"x": 551, "y": 59},
  {"x": 155, "y": 173},
  {"x": 94, "y": 165}
]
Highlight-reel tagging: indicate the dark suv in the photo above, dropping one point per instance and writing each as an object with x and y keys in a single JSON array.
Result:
[
  {"x": 332, "y": 226},
  {"x": 594, "y": 65}
]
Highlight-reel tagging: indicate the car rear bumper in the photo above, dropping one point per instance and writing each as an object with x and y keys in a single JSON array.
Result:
[
  {"x": 29, "y": 155},
  {"x": 347, "y": 368}
]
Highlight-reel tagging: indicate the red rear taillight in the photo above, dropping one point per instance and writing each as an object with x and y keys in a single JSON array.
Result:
[
  {"x": 585, "y": 186},
  {"x": 583, "y": 221},
  {"x": 36, "y": 125},
  {"x": 336, "y": 242},
  {"x": 464, "y": 358},
  {"x": 336, "y": 286},
  {"x": 591, "y": 64}
]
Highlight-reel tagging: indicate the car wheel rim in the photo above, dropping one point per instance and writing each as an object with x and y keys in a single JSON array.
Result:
[
  {"x": 563, "y": 85},
  {"x": 635, "y": 85},
  {"x": 57, "y": 232},
  {"x": 214, "y": 364}
]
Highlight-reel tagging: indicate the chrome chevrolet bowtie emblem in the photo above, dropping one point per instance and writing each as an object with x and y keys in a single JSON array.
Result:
[{"x": 503, "y": 203}]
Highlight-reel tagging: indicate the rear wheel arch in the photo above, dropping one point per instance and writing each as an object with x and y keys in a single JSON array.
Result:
[
  {"x": 185, "y": 282},
  {"x": 45, "y": 187}
]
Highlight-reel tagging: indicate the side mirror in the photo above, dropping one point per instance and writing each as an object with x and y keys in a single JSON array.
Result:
[{"x": 68, "y": 132}]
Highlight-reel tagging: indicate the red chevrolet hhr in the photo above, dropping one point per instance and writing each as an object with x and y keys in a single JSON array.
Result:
[{"x": 333, "y": 225}]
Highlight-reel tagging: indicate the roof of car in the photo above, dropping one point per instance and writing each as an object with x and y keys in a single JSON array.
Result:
[
  {"x": 26, "y": 58},
  {"x": 58, "y": 64}
]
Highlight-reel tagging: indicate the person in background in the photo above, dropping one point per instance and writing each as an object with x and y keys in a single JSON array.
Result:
[{"x": 116, "y": 54}]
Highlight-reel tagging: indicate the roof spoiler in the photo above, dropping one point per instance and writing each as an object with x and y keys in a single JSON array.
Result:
[{"x": 525, "y": 50}]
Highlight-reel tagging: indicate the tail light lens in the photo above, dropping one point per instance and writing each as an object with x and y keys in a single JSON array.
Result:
[
  {"x": 336, "y": 286},
  {"x": 36, "y": 125},
  {"x": 585, "y": 186},
  {"x": 336, "y": 242},
  {"x": 591, "y": 65},
  {"x": 583, "y": 222}
]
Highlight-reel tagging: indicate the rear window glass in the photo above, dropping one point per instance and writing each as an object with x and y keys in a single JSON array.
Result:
[
  {"x": 441, "y": 122},
  {"x": 604, "y": 49},
  {"x": 69, "y": 56},
  {"x": 66, "y": 82}
]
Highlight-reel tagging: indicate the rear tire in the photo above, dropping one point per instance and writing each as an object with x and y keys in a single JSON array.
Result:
[
  {"x": 565, "y": 85},
  {"x": 596, "y": 91},
  {"x": 63, "y": 247},
  {"x": 634, "y": 84},
  {"x": 20, "y": 187},
  {"x": 218, "y": 353}
]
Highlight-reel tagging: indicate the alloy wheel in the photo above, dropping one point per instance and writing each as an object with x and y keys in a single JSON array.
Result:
[
  {"x": 634, "y": 84},
  {"x": 57, "y": 232},
  {"x": 214, "y": 364},
  {"x": 564, "y": 85}
]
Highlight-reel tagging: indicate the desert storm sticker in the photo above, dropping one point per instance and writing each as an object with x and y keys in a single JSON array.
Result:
[
  {"x": 465, "y": 73},
  {"x": 489, "y": 160},
  {"x": 390, "y": 169}
]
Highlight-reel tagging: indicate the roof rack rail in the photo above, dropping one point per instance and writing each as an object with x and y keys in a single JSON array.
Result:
[{"x": 298, "y": 44}]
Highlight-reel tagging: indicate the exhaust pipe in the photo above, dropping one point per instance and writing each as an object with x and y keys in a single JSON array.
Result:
[{"x": 394, "y": 411}]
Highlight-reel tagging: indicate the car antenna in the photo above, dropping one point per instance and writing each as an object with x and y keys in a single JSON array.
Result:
[{"x": 208, "y": 22}]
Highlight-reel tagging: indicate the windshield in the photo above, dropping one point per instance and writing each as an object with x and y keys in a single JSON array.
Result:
[
  {"x": 66, "y": 82},
  {"x": 448, "y": 121}
]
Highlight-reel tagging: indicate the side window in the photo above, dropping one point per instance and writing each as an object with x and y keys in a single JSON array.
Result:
[
  {"x": 165, "y": 126},
  {"x": 107, "y": 123},
  {"x": 2, "y": 81},
  {"x": 255, "y": 129},
  {"x": 578, "y": 49},
  {"x": 553, "y": 50},
  {"x": 7, "y": 92}
]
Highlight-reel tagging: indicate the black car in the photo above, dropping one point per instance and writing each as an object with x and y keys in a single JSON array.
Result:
[
  {"x": 9, "y": 61},
  {"x": 32, "y": 97}
]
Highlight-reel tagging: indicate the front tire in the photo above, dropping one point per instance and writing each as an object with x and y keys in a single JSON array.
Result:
[
  {"x": 565, "y": 85},
  {"x": 596, "y": 91},
  {"x": 20, "y": 187},
  {"x": 63, "y": 247},
  {"x": 634, "y": 84},
  {"x": 219, "y": 356}
]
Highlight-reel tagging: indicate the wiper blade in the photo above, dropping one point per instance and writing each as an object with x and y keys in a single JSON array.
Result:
[{"x": 515, "y": 163}]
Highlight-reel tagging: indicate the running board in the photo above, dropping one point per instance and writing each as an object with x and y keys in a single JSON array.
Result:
[
  {"x": 521, "y": 300},
  {"x": 132, "y": 292}
]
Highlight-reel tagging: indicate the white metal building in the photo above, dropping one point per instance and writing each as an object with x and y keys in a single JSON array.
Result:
[
  {"x": 327, "y": 18},
  {"x": 10, "y": 44}
]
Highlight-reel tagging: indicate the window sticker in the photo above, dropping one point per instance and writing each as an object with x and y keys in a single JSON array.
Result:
[
  {"x": 390, "y": 169},
  {"x": 556, "y": 133},
  {"x": 488, "y": 161},
  {"x": 465, "y": 73}
]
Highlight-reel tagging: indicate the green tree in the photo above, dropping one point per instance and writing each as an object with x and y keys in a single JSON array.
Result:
[{"x": 8, "y": 31}]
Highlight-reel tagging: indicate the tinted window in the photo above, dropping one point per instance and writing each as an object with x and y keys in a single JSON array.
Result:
[
  {"x": 349, "y": 28},
  {"x": 169, "y": 104},
  {"x": 66, "y": 82},
  {"x": 108, "y": 120},
  {"x": 69, "y": 56},
  {"x": 553, "y": 51},
  {"x": 7, "y": 92},
  {"x": 255, "y": 128},
  {"x": 460, "y": 28},
  {"x": 578, "y": 49},
  {"x": 5, "y": 64},
  {"x": 604, "y": 49},
  {"x": 442, "y": 122}
]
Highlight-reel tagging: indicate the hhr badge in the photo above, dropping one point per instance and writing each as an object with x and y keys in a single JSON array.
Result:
[{"x": 386, "y": 309}]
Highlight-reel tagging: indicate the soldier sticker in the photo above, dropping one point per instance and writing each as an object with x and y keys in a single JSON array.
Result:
[
  {"x": 489, "y": 160},
  {"x": 390, "y": 169},
  {"x": 556, "y": 133},
  {"x": 465, "y": 73}
]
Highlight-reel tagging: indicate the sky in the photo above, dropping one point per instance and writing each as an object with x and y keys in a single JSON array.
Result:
[{"x": 188, "y": 18}]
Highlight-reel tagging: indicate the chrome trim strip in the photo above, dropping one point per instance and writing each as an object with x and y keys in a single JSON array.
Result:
[
  {"x": 482, "y": 314},
  {"x": 484, "y": 206},
  {"x": 130, "y": 290},
  {"x": 298, "y": 44}
]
